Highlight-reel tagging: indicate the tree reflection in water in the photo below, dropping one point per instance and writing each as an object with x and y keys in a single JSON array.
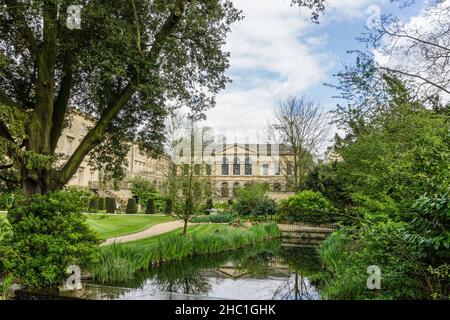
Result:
[{"x": 292, "y": 266}]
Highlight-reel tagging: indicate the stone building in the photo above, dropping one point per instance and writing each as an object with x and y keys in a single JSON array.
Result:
[
  {"x": 231, "y": 166},
  {"x": 87, "y": 177}
]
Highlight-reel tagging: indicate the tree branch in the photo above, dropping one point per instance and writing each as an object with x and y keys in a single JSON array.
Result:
[
  {"x": 95, "y": 135},
  {"x": 62, "y": 100},
  {"x": 416, "y": 76},
  {"x": 15, "y": 10}
]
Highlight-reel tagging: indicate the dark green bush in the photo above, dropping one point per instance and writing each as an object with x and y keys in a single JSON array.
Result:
[
  {"x": 347, "y": 254},
  {"x": 252, "y": 200},
  {"x": 110, "y": 205},
  {"x": 6, "y": 200},
  {"x": 93, "y": 205},
  {"x": 169, "y": 206},
  {"x": 49, "y": 234},
  {"x": 209, "y": 205},
  {"x": 215, "y": 218},
  {"x": 150, "y": 207},
  {"x": 131, "y": 206},
  {"x": 307, "y": 206},
  {"x": 102, "y": 203}
]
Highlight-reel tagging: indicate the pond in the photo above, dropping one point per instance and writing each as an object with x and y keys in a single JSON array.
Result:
[{"x": 271, "y": 270}]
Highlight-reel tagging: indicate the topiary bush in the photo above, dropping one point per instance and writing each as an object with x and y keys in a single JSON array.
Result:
[
  {"x": 131, "y": 206},
  {"x": 150, "y": 207},
  {"x": 102, "y": 203},
  {"x": 110, "y": 205},
  {"x": 49, "y": 233},
  {"x": 307, "y": 206},
  {"x": 168, "y": 206},
  {"x": 93, "y": 205}
]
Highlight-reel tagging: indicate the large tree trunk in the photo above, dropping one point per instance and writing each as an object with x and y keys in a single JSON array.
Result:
[{"x": 37, "y": 181}]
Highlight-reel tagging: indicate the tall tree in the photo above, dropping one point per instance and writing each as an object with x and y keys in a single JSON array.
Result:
[
  {"x": 301, "y": 126},
  {"x": 127, "y": 66}
]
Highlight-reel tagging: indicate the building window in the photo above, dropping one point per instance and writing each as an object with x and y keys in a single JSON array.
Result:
[
  {"x": 277, "y": 168},
  {"x": 236, "y": 166},
  {"x": 265, "y": 169},
  {"x": 69, "y": 146},
  {"x": 82, "y": 129},
  {"x": 224, "y": 189},
  {"x": 208, "y": 169},
  {"x": 197, "y": 169},
  {"x": 225, "y": 166},
  {"x": 248, "y": 167}
]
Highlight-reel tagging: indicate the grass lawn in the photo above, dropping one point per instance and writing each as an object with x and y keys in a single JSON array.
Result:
[
  {"x": 197, "y": 229},
  {"x": 113, "y": 225}
]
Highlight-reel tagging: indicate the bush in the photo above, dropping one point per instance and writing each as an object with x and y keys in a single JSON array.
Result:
[
  {"x": 150, "y": 207},
  {"x": 346, "y": 254},
  {"x": 209, "y": 205},
  {"x": 6, "y": 200},
  {"x": 93, "y": 205},
  {"x": 49, "y": 234},
  {"x": 307, "y": 206},
  {"x": 131, "y": 206},
  {"x": 216, "y": 218},
  {"x": 110, "y": 205},
  {"x": 168, "y": 208},
  {"x": 102, "y": 203},
  {"x": 252, "y": 200}
]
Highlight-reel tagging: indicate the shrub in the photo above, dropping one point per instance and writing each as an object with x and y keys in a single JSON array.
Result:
[
  {"x": 346, "y": 254},
  {"x": 150, "y": 207},
  {"x": 93, "y": 205},
  {"x": 252, "y": 200},
  {"x": 110, "y": 205},
  {"x": 49, "y": 234},
  {"x": 209, "y": 205},
  {"x": 102, "y": 203},
  {"x": 307, "y": 206},
  {"x": 131, "y": 206},
  {"x": 216, "y": 218},
  {"x": 6, "y": 200},
  {"x": 375, "y": 210},
  {"x": 168, "y": 208}
]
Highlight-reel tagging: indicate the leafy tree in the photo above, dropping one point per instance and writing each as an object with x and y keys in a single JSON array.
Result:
[
  {"x": 252, "y": 200},
  {"x": 127, "y": 67},
  {"x": 143, "y": 189}
]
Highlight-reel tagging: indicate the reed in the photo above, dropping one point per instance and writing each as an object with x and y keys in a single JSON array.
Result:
[{"x": 119, "y": 262}]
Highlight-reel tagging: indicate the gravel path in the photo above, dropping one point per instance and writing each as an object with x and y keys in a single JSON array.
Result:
[{"x": 150, "y": 232}]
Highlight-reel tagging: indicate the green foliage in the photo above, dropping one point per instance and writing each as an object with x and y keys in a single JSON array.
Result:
[
  {"x": 49, "y": 234},
  {"x": 168, "y": 206},
  {"x": 215, "y": 218},
  {"x": 120, "y": 262},
  {"x": 375, "y": 210},
  {"x": 150, "y": 207},
  {"x": 143, "y": 189},
  {"x": 307, "y": 206},
  {"x": 110, "y": 205},
  {"x": 6, "y": 200},
  {"x": 209, "y": 205},
  {"x": 94, "y": 205},
  {"x": 347, "y": 254},
  {"x": 252, "y": 200},
  {"x": 131, "y": 206}
]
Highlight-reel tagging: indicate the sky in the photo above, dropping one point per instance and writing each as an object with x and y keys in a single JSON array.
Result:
[{"x": 277, "y": 51}]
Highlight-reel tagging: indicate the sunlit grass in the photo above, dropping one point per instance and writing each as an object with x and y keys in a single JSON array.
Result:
[
  {"x": 119, "y": 262},
  {"x": 113, "y": 225}
]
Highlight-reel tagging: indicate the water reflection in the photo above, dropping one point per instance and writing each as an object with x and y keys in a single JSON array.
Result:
[{"x": 265, "y": 271}]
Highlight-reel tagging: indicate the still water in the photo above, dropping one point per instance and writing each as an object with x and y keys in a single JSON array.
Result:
[{"x": 266, "y": 271}]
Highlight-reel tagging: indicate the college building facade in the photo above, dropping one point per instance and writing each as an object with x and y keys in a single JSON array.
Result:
[{"x": 229, "y": 166}]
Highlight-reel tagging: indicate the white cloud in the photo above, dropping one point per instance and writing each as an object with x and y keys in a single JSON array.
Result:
[{"x": 276, "y": 51}]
